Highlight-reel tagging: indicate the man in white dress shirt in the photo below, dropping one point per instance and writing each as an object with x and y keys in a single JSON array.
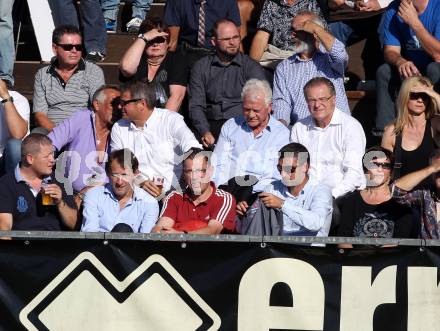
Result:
[
  {"x": 157, "y": 137},
  {"x": 335, "y": 140}
]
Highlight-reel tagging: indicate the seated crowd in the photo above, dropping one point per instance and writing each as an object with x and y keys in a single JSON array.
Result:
[{"x": 234, "y": 157}]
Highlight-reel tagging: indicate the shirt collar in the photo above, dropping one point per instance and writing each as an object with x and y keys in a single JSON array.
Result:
[
  {"x": 108, "y": 190},
  {"x": 149, "y": 121},
  {"x": 268, "y": 127},
  {"x": 336, "y": 119},
  {"x": 18, "y": 177},
  {"x": 54, "y": 65}
]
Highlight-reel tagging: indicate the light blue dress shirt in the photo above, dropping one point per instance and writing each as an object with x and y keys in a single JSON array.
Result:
[
  {"x": 239, "y": 153},
  {"x": 102, "y": 212},
  {"x": 309, "y": 213}
]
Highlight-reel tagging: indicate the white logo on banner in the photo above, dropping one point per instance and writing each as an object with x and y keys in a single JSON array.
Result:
[{"x": 79, "y": 301}]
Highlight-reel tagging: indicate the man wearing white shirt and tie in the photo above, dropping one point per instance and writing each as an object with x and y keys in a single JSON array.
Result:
[
  {"x": 335, "y": 140},
  {"x": 157, "y": 137}
]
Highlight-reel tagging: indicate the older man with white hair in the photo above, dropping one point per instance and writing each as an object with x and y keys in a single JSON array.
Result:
[
  {"x": 246, "y": 154},
  {"x": 317, "y": 53}
]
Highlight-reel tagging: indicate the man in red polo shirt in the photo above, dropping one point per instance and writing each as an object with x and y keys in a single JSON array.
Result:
[{"x": 201, "y": 208}]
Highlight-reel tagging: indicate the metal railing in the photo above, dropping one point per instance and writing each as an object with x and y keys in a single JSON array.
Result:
[{"x": 293, "y": 240}]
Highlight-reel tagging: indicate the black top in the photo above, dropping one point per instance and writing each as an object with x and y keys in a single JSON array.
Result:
[
  {"x": 27, "y": 211},
  {"x": 169, "y": 73},
  {"x": 385, "y": 220},
  {"x": 215, "y": 88},
  {"x": 417, "y": 159}
]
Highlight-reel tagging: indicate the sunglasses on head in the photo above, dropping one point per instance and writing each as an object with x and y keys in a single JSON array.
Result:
[
  {"x": 69, "y": 47},
  {"x": 157, "y": 40},
  {"x": 383, "y": 165},
  {"x": 418, "y": 95}
]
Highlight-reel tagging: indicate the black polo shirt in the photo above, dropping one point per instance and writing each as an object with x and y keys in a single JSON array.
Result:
[{"x": 28, "y": 214}]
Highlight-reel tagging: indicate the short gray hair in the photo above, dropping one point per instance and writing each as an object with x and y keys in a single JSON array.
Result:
[
  {"x": 141, "y": 90},
  {"x": 316, "y": 18},
  {"x": 99, "y": 94},
  {"x": 254, "y": 86}
]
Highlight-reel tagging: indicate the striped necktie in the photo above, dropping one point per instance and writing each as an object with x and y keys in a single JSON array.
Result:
[{"x": 201, "y": 32}]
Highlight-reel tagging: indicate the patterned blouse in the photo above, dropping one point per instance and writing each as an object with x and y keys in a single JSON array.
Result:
[
  {"x": 276, "y": 18},
  {"x": 425, "y": 201}
]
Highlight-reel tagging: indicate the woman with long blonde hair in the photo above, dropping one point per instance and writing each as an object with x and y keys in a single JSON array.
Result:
[{"x": 416, "y": 131}]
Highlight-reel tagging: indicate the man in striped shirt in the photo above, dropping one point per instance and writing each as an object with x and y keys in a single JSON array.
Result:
[
  {"x": 201, "y": 208},
  {"x": 68, "y": 83},
  {"x": 317, "y": 53}
]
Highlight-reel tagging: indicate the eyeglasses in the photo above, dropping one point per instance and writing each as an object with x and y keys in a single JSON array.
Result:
[
  {"x": 383, "y": 165},
  {"x": 288, "y": 169},
  {"x": 319, "y": 100},
  {"x": 157, "y": 40},
  {"x": 69, "y": 47},
  {"x": 418, "y": 95},
  {"x": 126, "y": 102},
  {"x": 234, "y": 38}
]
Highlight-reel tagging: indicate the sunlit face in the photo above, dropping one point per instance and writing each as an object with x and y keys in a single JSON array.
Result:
[
  {"x": 68, "y": 57},
  {"x": 121, "y": 179},
  {"x": 106, "y": 109},
  {"x": 255, "y": 110},
  {"x": 130, "y": 107},
  {"x": 379, "y": 171},
  {"x": 321, "y": 103},
  {"x": 417, "y": 102},
  {"x": 157, "y": 47},
  {"x": 292, "y": 174},
  {"x": 197, "y": 174},
  {"x": 42, "y": 162},
  {"x": 228, "y": 39},
  {"x": 302, "y": 40}
]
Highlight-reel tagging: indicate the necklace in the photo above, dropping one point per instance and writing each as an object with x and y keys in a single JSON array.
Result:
[{"x": 100, "y": 138}]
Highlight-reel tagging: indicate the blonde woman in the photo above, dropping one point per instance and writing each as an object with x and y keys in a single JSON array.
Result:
[{"x": 416, "y": 131}]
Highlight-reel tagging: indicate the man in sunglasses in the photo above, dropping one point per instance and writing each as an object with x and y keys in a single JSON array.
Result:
[
  {"x": 217, "y": 81},
  {"x": 84, "y": 139},
  {"x": 67, "y": 84},
  {"x": 305, "y": 203},
  {"x": 158, "y": 137}
]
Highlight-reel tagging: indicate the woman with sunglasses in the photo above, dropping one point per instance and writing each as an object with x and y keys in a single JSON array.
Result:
[
  {"x": 148, "y": 60},
  {"x": 416, "y": 131},
  {"x": 372, "y": 212}
]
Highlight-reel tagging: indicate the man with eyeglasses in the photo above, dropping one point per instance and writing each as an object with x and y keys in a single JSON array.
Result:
[
  {"x": 217, "y": 80},
  {"x": 316, "y": 53},
  {"x": 158, "y": 137},
  {"x": 336, "y": 141},
  {"x": 67, "y": 84},
  {"x": 120, "y": 205},
  {"x": 21, "y": 192},
  {"x": 305, "y": 203},
  {"x": 201, "y": 208}
]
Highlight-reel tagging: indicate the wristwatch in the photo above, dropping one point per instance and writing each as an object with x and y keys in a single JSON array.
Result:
[
  {"x": 10, "y": 99},
  {"x": 141, "y": 35}
]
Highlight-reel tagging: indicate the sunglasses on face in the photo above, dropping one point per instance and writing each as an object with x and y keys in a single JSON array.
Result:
[
  {"x": 157, "y": 40},
  {"x": 287, "y": 169},
  {"x": 383, "y": 165},
  {"x": 126, "y": 102},
  {"x": 418, "y": 95},
  {"x": 69, "y": 47}
]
